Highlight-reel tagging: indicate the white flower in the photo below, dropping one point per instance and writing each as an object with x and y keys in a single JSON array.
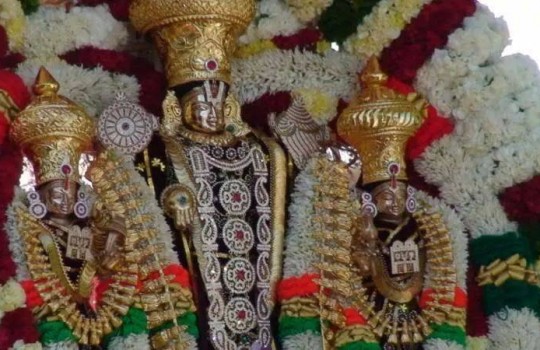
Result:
[
  {"x": 94, "y": 89},
  {"x": 20, "y": 345},
  {"x": 52, "y": 31},
  {"x": 275, "y": 70},
  {"x": 12, "y": 296},
  {"x": 513, "y": 329}
]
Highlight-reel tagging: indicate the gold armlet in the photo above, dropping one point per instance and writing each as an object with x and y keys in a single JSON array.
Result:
[
  {"x": 500, "y": 271},
  {"x": 170, "y": 339},
  {"x": 354, "y": 333}
]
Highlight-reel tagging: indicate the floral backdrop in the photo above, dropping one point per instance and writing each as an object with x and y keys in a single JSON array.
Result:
[{"x": 478, "y": 151}]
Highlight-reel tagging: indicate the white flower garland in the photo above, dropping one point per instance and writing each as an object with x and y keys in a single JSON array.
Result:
[
  {"x": 275, "y": 70},
  {"x": 308, "y": 10},
  {"x": 439, "y": 344},
  {"x": 14, "y": 237},
  {"x": 514, "y": 330},
  {"x": 131, "y": 342},
  {"x": 304, "y": 341},
  {"x": 12, "y": 297},
  {"x": 494, "y": 146},
  {"x": 93, "y": 89},
  {"x": 52, "y": 31},
  {"x": 20, "y": 345},
  {"x": 273, "y": 18},
  {"x": 65, "y": 345},
  {"x": 382, "y": 26},
  {"x": 298, "y": 256}
]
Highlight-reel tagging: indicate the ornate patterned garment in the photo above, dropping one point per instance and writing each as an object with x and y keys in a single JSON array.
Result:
[{"x": 240, "y": 193}]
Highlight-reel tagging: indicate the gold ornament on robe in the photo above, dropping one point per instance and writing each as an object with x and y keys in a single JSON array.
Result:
[
  {"x": 53, "y": 132},
  {"x": 379, "y": 122},
  {"x": 195, "y": 38}
]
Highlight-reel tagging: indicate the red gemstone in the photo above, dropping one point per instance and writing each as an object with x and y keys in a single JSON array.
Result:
[
  {"x": 237, "y": 197},
  {"x": 241, "y": 275},
  {"x": 239, "y": 234},
  {"x": 241, "y": 314},
  {"x": 211, "y": 65},
  {"x": 66, "y": 169},
  {"x": 394, "y": 169}
]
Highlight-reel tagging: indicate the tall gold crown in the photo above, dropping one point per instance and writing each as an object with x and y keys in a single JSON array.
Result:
[
  {"x": 195, "y": 38},
  {"x": 378, "y": 123},
  {"x": 53, "y": 132}
]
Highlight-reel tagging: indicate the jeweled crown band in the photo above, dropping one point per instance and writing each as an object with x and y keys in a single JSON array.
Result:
[{"x": 195, "y": 38}]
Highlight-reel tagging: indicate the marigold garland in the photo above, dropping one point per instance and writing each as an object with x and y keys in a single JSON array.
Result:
[
  {"x": 382, "y": 26},
  {"x": 13, "y": 19}
]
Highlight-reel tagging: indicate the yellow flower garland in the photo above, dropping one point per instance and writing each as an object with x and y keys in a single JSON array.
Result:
[
  {"x": 382, "y": 26},
  {"x": 320, "y": 105},
  {"x": 307, "y": 10},
  {"x": 13, "y": 20},
  {"x": 255, "y": 48}
]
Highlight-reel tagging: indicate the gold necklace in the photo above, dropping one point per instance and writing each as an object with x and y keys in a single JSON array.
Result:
[
  {"x": 338, "y": 280},
  {"x": 58, "y": 297},
  {"x": 221, "y": 139},
  {"x": 443, "y": 280}
]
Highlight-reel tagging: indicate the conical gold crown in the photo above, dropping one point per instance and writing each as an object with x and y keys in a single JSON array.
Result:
[
  {"x": 195, "y": 38},
  {"x": 52, "y": 131},
  {"x": 378, "y": 123}
]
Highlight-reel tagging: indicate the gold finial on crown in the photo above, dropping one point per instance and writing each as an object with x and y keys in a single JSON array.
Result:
[
  {"x": 53, "y": 132},
  {"x": 378, "y": 123},
  {"x": 195, "y": 38}
]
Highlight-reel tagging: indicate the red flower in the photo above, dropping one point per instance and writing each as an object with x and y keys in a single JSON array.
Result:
[
  {"x": 18, "y": 325},
  {"x": 521, "y": 202},
  {"x": 298, "y": 287},
  {"x": 477, "y": 325},
  {"x": 305, "y": 39},
  {"x": 427, "y": 32},
  {"x": 11, "y": 165},
  {"x": 256, "y": 113},
  {"x": 13, "y": 85},
  {"x": 4, "y": 43},
  {"x": 153, "y": 83}
]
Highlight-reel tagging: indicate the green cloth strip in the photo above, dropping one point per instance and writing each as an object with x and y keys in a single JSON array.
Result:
[
  {"x": 55, "y": 332},
  {"x": 513, "y": 294},
  {"x": 189, "y": 320},
  {"x": 360, "y": 345},
  {"x": 289, "y": 326},
  {"x": 29, "y": 6},
  {"x": 134, "y": 322},
  {"x": 449, "y": 333},
  {"x": 486, "y": 249}
]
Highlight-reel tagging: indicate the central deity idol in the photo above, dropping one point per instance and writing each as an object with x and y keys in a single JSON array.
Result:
[{"x": 226, "y": 194}]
